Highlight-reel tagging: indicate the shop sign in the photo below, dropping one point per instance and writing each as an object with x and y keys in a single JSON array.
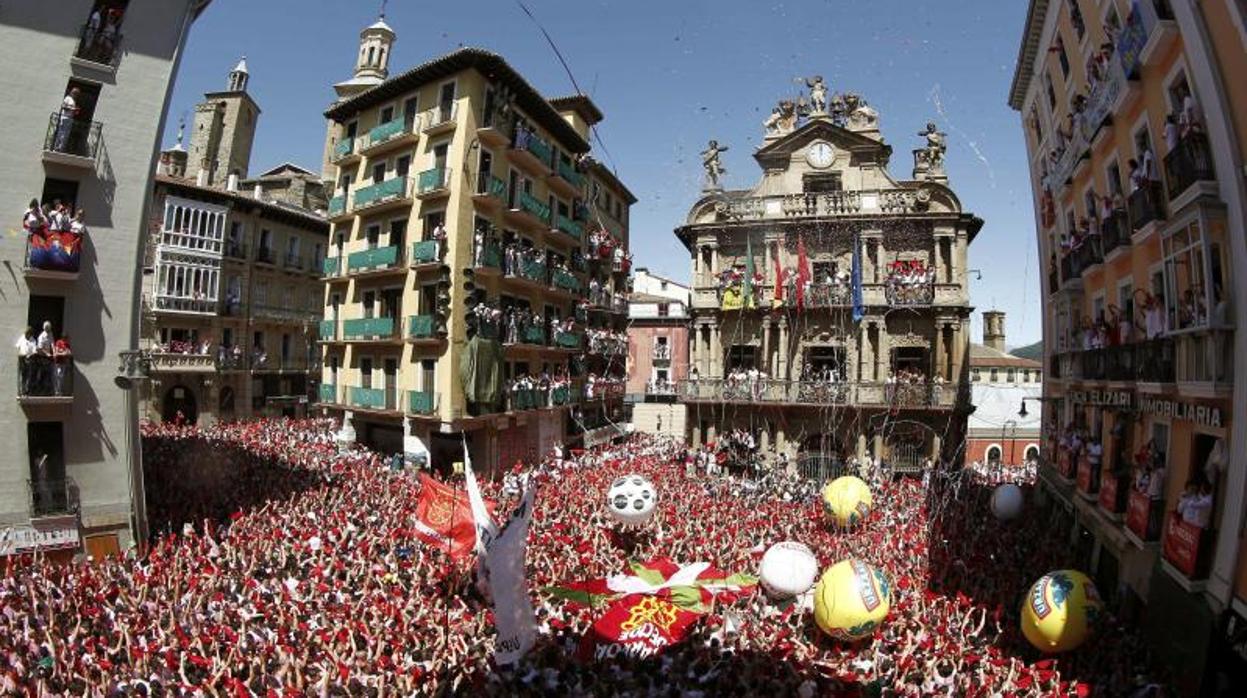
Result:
[
  {"x": 1181, "y": 544},
  {"x": 26, "y": 538},
  {"x": 1102, "y": 398},
  {"x": 1202, "y": 415}
]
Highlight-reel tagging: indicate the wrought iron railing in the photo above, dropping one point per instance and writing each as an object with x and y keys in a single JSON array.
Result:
[
  {"x": 41, "y": 376},
  {"x": 78, "y": 137},
  {"x": 1190, "y": 162}
]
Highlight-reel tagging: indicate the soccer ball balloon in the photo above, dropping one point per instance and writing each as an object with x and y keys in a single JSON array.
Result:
[
  {"x": 631, "y": 500},
  {"x": 1007, "y": 502},
  {"x": 851, "y": 600},
  {"x": 1059, "y": 611},
  {"x": 847, "y": 500},
  {"x": 788, "y": 569}
]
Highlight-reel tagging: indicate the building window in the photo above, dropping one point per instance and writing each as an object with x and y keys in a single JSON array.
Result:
[
  {"x": 1192, "y": 271},
  {"x": 741, "y": 356},
  {"x": 1011, "y": 376},
  {"x": 976, "y": 375},
  {"x": 994, "y": 376},
  {"x": 48, "y": 492},
  {"x": 663, "y": 309},
  {"x": 1061, "y": 56}
]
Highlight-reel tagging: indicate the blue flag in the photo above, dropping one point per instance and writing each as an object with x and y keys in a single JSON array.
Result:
[{"x": 859, "y": 305}]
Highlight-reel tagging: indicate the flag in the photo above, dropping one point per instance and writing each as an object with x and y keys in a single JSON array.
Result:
[
  {"x": 779, "y": 278},
  {"x": 803, "y": 272},
  {"x": 637, "y": 626},
  {"x": 444, "y": 518},
  {"x": 748, "y": 272},
  {"x": 733, "y": 298},
  {"x": 691, "y": 587},
  {"x": 859, "y": 305},
  {"x": 502, "y": 552}
]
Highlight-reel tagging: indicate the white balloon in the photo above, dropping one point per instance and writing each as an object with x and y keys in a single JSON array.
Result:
[
  {"x": 632, "y": 500},
  {"x": 788, "y": 569},
  {"x": 1007, "y": 502}
]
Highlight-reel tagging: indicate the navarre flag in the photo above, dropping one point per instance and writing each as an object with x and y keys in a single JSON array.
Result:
[
  {"x": 803, "y": 272},
  {"x": 444, "y": 518}
]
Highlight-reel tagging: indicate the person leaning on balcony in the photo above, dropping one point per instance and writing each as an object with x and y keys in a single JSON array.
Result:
[
  {"x": 1171, "y": 133},
  {"x": 1190, "y": 120},
  {"x": 62, "y": 364},
  {"x": 1195, "y": 505},
  {"x": 33, "y": 221},
  {"x": 26, "y": 349},
  {"x": 65, "y": 120},
  {"x": 1137, "y": 179},
  {"x": 77, "y": 226}
]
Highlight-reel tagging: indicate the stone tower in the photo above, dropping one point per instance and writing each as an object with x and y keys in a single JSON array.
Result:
[
  {"x": 224, "y": 130},
  {"x": 372, "y": 67},
  {"x": 173, "y": 160},
  {"x": 994, "y": 329}
]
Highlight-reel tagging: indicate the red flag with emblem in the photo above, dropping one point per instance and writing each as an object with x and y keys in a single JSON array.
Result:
[
  {"x": 638, "y": 625},
  {"x": 444, "y": 518}
]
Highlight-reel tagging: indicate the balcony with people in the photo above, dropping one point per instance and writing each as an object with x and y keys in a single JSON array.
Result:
[
  {"x": 183, "y": 352},
  {"x": 72, "y": 138},
  {"x": 608, "y": 343},
  {"x": 910, "y": 283},
  {"x": 1145, "y": 502},
  {"x": 487, "y": 250},
  {"x": 1189, "y": 161},
  {"x": 100, "y": 39},
  {"x": 525, "y": 264},
  {"x": 1188, "y": 538},
  {"x": 1146, "y": 203},
  {"x": 366, "y": 397},
  {"x": 45, "y": 369},
  {"x": 1090, "y": 462},
  {"x": 52, "y": 496},
  {"x": 660, "y": 353},
  {"x": 531, "y": 151},
  {"x": 1149, "y": 27},
  {"x": 55, "y": 234}
]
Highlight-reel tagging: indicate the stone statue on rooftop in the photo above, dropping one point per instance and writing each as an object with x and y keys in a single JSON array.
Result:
[
  {"x": 714, "y": 167},
  {"x": 818, "y": 95},
  {"x": 933, "y": 154}
]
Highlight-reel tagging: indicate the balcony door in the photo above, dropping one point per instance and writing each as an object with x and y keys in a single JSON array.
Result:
[
  {"x": 46, "y": 445},
  {"x": 365, "y": 373},
  {"x": 391, "y": 384}
]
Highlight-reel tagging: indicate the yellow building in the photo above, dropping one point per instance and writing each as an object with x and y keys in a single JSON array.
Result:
[
  {"x": 477, "y": 265},
  {"x": 1135, "y": 116}
]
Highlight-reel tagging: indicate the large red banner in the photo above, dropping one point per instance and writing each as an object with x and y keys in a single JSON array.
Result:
[
  {"x": 638, "y": 625},
  {"x": 1108, "y": 494},
  {"x": 1181, "y": 544},
  {"x": 1137, "y": 509},
  {"x": 444, "y": 518}
]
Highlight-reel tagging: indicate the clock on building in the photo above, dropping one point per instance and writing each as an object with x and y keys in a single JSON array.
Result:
[{"x": 820, "y": 154}]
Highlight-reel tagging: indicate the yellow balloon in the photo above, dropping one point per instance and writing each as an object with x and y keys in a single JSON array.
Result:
[
  {"x": 847, "y": 500},
  {"x": 851, "y": 600},
  {"x": 1060, "y": 610}
]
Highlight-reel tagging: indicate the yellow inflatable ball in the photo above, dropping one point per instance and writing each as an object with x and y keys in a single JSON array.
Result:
[
  {"x": 1060, "y": 610},
  {"x": 851, "y": 600},
  {"x": 847, "y": 500}
]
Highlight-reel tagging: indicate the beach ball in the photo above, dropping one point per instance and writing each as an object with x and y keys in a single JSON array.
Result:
[
  {"x": 1060, "y": 610},
  {"x": 631, "y": 500},
  {"x": 788, "y": 569},
  {"x": 847, "y": 500},
  {"x": 1007, "y": 502},
  {"x": 851, "y": 599}
]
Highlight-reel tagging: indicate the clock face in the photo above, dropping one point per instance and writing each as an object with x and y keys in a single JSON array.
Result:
[{"x": 820, "y": 155}]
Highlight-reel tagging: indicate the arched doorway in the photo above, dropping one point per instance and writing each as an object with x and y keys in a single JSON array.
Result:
[
  {"x": 180, "y": 398},
  {"x": 225, "y": 408},
  {"x": 1032, "y": 454},
  {"x": 993, "y": 455}
]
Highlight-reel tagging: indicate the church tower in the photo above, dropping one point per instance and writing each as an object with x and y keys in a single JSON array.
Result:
[
  {"x": 224, "y": 131},
  {"x": 372, "y": 67}
]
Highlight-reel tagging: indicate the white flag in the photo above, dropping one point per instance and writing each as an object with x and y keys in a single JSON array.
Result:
[{"x": 501, "y": 559}]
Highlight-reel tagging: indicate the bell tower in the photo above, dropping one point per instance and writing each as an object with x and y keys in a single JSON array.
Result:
[{"x": 223, "y": 131}]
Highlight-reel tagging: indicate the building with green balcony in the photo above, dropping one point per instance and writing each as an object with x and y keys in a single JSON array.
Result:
[{"x": 398, "y": 289}]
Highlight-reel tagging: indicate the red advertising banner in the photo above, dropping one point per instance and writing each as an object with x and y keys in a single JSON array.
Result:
[
  {"x": 1108, "y": 494},
  {"x": 1138, "y": 506},
  {"x": 1065, "y": 464},
  {"x": 1181, "y": 544},
  {"x": 1084, "y": 475},
  {"x": 638, "y": 625}
]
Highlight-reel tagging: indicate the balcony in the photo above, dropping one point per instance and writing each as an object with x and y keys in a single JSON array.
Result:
[
  {"x": 1102, "y": 101},
  {"x": 1149, "y": 27},
  {"x": 99, "y": 48},
  {"x": 422, "y": 402},
  {"x": 441, "y": 118},
  {"x": 390, "y": 193},
  {"x": 1205, "y": 363},
  {"x": 394, "y": 133},
  {"x": 328, "y": 330},
  {"x": 567, "y": 178},
  {"x": 530, "y": 270},
  {"x": 71, "y": 142},
  {"x": 332, "y": 267},
  {"x": 45, "y": 382},
  {"x": 892, "y": 395},
  {"x": 266, "y": 255},
  {"x": 369, "y": 329},
  {"x": 531, "y": 210},
  {"x": 337, "y": 207},
  {"x": 426, "y": 252},
  {"x": 521, "y": 399},
  {"x": 1143, "y": 516},
  {"x": 53, "y": 255},
  {"x": 1190, "y": 165},
  {"x": 328, "y": 393},
  {"x": 531, "y": 152},
  {"x": 1115, "y": 230},
  {"x": 568, "y": 227},
  {"x": 174, "y": 304},
  {"x": 1155, "y": 361},
  {"x": 487, "y": 255},
  {"x": 608, "y": 346},
  {"x": 569, "y": 340},
  {"x": 910, "y": 295},
  {"x": 660, "y": 353},
  {"x": 1187, "y": 547},
  {"x": 490, "y": 190},
  {"x": 433, "y": 183},
  {"x": 1090, "y": 253},
  {"x": 293, "y": 262},
  {"x": 422, "y": 327},
  {"x": 179, "y": 362},
  {"x": 52, "y": 497},
  {"x": 344, "y": 152},
  {"x": 373, "y": 399},
  {"x": 532, "y": 334},
  {"x": 379, "y": 259},
  {"x": 1114, "y": 494},
  {"x": 1146, "y": 206},
  {"x": 565, "y": 280}
]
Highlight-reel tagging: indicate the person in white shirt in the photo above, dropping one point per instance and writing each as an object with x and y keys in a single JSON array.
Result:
[
  {"x": 1171, "y": 134},
  {"x": 44, "y": 343},
  {"x": 1195, "y": 506},
  {"x": 26, "y": 348},
  {"x": 65, "y": 121}
]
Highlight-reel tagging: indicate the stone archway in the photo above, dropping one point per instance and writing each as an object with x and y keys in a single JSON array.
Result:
[{"x": 180, "y": 398}]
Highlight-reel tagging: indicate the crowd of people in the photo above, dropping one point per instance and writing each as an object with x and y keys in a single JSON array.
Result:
[
  {"x": 282, "y": 565},
  {"x": 604, "y": 341},
  {"x": 909, "y": 282},
  {"x": 45, "y": 363}
]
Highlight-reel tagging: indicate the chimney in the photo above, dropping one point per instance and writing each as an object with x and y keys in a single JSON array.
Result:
[
  {"x": 994, "y": 330},
  {"x": 231, "y": 183}
]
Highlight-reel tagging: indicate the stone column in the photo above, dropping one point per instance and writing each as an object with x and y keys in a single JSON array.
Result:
[
  {"x": 882, "y": 349},
  {"x": 861, "y": 447},
  {"x": 766, "y": 347},
  {"x": 716, "y": 351},
  {"x": 714, "y": 258},
  {"x": 936, "y": 444},
  {"x": 940, "y": 360},
  {"x": 878, "y": 446},
  {"x": 959, "y": 348},
  {"x": 783, "y": 349},
  {"x": 781, "y": 441},
  {"x": 696, "y": 440}
]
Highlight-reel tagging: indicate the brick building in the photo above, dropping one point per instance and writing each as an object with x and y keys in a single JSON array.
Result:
[
  {"x": 998, "y": 383},
  {"x": 657, "y": 353}
]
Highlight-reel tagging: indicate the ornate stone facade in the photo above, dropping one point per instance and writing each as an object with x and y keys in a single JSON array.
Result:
[{"x": 830, "y": 310}]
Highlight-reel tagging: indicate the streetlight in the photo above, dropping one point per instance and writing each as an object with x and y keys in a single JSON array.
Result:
[
  {"x": 1013, "y": 440},
  {"x": 1023, "y": 413},
  {"x": 134, "y": 370}
]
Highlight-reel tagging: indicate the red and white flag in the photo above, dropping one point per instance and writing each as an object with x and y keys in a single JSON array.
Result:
[{"x": 444, "y": 518}]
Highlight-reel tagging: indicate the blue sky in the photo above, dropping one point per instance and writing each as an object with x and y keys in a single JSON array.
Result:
[{"x": 670, "y": 75}]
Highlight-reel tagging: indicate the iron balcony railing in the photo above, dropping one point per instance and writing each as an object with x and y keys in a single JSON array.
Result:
[
  {"x": 389, "y": 190},
  {"x": 534, "y": 206},
  {"x": 898, "y": 395},
  {"x": 368, "y": 328},
  {"x": 490, "y": 185},
  {"x": 293, "y": 261},
  {"x": 567, "y": 171},
  {"x": 531, "y": 142},
  {"x": 825, "y": 204},
  {"x": 77, "y": 137},
  {"x": 1116, "y": 231},
  {"x": 52, "y": 496},
  {"x": 99, "y": 45},
  {"x": 487, "y": 255},
  {"x": 426, "y": 252},
  {"x": 328, "y": 393},
  {"x": 570, "y": 227},
  {"x": 373, "y": 398},
  {"x": 332, "y": 266},
  {"x": 373, "y": 260},
  {"x": 337, "y": 205},
  {"x": 1190, "y": 162},
  {"x": 342, "y": 149},
  {"x": 41, "y": 376},
  {"x": 903, "y": 294},
  {"x": 421, "y": 401},
  {"x": 185, "y": 305},
  {"x": 1147, "y": 204},
  {"x": 434, "y": 179},
  {"x": 421, "y": 327}
]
